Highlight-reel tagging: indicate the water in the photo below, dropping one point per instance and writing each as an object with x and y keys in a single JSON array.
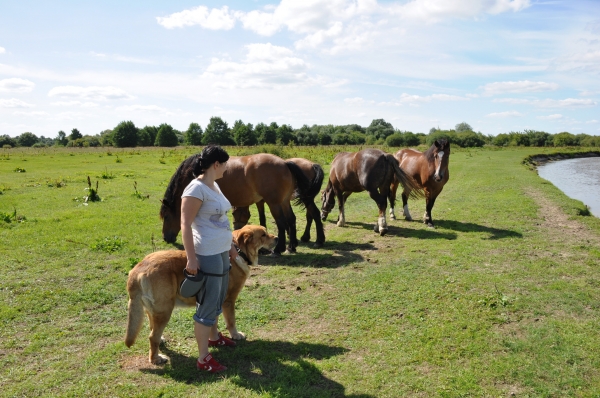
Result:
[{"x": 578, "y": 178}]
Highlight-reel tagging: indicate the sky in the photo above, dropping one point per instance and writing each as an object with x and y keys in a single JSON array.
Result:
[{"x": 498, "y": 65}]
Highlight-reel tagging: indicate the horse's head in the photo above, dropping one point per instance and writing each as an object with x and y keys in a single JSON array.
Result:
[
  {"x": 327, "y": 202},
  {"x": 171, "y": 216},
  {"x": 441, "y": 158}
]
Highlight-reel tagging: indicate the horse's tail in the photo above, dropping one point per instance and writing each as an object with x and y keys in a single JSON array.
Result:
[
  {"x": 304, "y": 186},
  {"x": 135, "y": 312},
  {"x": 313, "y": 189},
  {"x": 407, "y": 182}
]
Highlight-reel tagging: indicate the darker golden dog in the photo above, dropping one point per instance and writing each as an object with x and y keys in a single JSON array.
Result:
[{"x": 153, "y": 287}]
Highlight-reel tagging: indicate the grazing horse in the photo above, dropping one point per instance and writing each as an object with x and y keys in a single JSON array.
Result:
[
  {"x": 370, "y": 169},
  {"x": 429, "y": 169},
  {"x": 247, "y": 180},
  {"x": 314, "y": 173}
]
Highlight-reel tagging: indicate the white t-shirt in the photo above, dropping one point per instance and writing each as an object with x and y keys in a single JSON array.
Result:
[{"x": 211, "y": 228}]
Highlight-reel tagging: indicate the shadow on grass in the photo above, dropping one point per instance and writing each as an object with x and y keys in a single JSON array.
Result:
[
  {"x": 394, "y": 230},
  {"x": 495, "y": 233},
  {"x": 278, "y": 368},
  {"x": 343, "y": 255}
]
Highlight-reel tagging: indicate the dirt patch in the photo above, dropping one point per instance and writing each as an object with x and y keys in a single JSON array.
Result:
[
  {"x": 136, "y": 363},
  {"x": 559, "y": 226}
]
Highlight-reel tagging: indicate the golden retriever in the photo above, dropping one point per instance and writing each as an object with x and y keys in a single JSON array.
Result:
[{"x": 153, "y": 287}]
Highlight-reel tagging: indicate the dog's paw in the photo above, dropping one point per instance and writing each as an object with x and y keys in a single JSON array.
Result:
[{"x": 159, "y": 360}]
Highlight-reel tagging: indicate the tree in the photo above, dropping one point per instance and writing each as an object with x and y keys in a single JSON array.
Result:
[
  {"x": 7, "y": 140},
  {"x": 285, "y": 134},
  {"x": 75, "y": 134},
  {"x": 564, "y": 139},
  {"x": 27, "y": 139},
  {"x": 243, "y": 134},
  {"x": 193, "y": 135},
  {"x": 464, "y": 126},
  {"x": 125, "y": 134},
  {"x": 265, "y": 134},
  {"x": 62, "y": 139},
  {"x": 380, "y": 129},
  {"x": 395, "y": 140},
  {"x": 166, "y": 136},
  {"x": 144, "y": 138},
  {"x": 217, "y": 132}
]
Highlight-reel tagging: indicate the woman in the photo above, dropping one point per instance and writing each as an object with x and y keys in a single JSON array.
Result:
[{"x": 207, "y": 240}]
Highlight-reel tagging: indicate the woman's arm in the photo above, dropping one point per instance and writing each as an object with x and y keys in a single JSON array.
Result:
[{"x": 189, "y": 210}]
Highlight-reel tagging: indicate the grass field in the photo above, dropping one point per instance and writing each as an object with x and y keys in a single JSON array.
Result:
[{"x": 501, "y": 299}]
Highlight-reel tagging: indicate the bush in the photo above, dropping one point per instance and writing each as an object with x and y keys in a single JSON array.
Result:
[
  {"x": 564, "y": 139},
  {"x": 27, "y": 139},
  {"x": 395, "y": 140},
  {"x": 193, "y": 135},
  {"x": 166, "y": 136},
  {"x": 469, "y": 139},
  {"x": 125, "y": 134}
]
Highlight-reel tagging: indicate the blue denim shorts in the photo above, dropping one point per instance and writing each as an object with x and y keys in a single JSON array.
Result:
[{"x": 209, "y": 301}]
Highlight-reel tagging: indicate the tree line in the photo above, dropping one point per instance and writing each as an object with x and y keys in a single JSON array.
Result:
[{"x": 379, "y": 132}]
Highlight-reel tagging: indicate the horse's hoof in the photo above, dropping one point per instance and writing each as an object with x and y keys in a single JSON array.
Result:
[
  {"x": 408, "y": 218},
  {"x": 382, "y": 231},
  {"x": 341, "y": 224},
  {"x": 291, "y": 250},
  {"x": 318, "y": 245},
  {"x": 430, "y": 225},
  {"x": 305, "y": 238},
  {"x": 376, "y": 228}
]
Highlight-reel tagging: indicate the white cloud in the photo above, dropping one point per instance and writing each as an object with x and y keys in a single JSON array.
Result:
[
  {"x": 16, "y": 85},
  {"x": 144, "y": 108},
  {"x": 550, "y": 103},
  {"x": 265, "y": 66},
  {"x": 588, "y": 60},
  {"x": 555, "y": 116},
  {"x": 436, "y": 10},
  {"x": 31, "y": 113},
  {"x": 75, "y": 103},
  {"x": 89, "y": 93},
  {"x": 505, "y": 114},
  {"x": 2, "y": 50},
  {"x": 214, "y": 19},
  {"x": 121, "y": 58},
  {"x": 354, "y": 101},
  {"x": 414, "y": 100},
  {"x": 14, "y": 103},
  {"x": 523, "y": 86}
]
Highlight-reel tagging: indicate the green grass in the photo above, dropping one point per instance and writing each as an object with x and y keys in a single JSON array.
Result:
[{"x": 495, "y": 300}]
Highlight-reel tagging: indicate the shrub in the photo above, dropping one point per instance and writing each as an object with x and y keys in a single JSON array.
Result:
[
  {"x": 166, "y": 136},
  {"x": 125, "y": 134},
  {"x": 564, "y": 139}
]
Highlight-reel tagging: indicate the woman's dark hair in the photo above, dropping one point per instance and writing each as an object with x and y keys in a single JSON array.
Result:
[{"x": 209, "y": 155}]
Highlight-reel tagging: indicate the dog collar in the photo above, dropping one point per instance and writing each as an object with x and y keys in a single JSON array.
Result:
[{"x": 242, "y": 254}]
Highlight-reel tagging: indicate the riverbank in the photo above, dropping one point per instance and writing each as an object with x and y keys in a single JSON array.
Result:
[{"x": 539, "y": 159}]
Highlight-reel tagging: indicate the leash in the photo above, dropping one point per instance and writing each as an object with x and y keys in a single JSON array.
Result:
[{"x": 242, "y": 254}]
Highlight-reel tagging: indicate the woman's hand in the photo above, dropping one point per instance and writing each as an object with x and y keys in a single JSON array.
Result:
[
  {"x": 192, "y": 266},
  {"x": 232, "y": 253}
]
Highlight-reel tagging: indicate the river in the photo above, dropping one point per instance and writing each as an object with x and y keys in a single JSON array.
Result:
[{"x": 577, "y": 178}]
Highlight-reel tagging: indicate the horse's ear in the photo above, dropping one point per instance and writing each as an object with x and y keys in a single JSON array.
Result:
[{"x": 438, "y": 144}]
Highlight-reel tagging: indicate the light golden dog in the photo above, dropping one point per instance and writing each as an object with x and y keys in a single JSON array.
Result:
[{"x": 153, "y": 287}]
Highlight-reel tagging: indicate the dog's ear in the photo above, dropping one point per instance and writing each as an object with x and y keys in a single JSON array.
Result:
[{"x": 247, "y": 237}]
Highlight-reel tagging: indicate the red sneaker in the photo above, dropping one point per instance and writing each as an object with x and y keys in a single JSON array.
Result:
[
  {"x": 210, "y": 365},
  {"x": 223, "y": 341}
]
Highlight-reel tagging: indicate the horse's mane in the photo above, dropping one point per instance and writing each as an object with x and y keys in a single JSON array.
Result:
[
  {"x": 177, "y": 184},
  {"x": 431, "y": 152}
]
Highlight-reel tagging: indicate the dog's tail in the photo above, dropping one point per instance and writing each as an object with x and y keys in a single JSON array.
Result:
[{"x": 135, "y": 315}]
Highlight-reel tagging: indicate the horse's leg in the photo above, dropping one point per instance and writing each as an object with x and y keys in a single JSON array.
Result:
[
  {"x": 381, "y": 201},
  {"x": 392, "y": 198},
  {"x": 313, "y": 211},
  {"x": 309, "y": 219},
  {"x": 290, "y": 219},
  {"x": 241, "y": 215},
  {"x": 429, "y": 202},
  {"x": 279, "y": 216},
  {"x": 405, "y": 211},
  {"x": 342, "y": 196},
  {"x": 260, "y": 206}
]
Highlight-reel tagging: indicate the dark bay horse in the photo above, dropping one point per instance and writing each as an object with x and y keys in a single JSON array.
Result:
[
  {"x": 314, "y": 173},
  {"x": 247, "y": 180},
  {"x": 370, "y": 169},
  {"x": 429, "y": 169}
]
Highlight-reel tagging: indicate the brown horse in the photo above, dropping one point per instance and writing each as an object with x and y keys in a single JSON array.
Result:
[
  {"x": 429, "y": 169},
  {"x": 314, "y": 173},
  {"x": 247, "y": 180},
  {"x": 370, "y": 169}
]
